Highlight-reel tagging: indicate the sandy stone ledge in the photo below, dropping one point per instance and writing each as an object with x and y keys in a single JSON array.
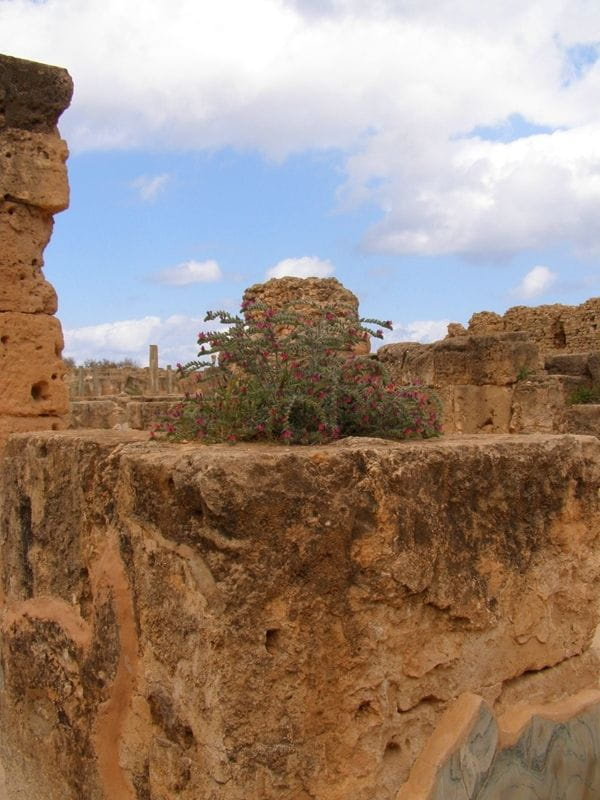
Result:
[{"x": 262, "y": 622}]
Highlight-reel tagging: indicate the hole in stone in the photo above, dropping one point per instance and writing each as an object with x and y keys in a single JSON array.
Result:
[
  {"x": 4, "y": 339},
  {"x": 34, "y": 262},
  {"x": 40, "y": 390},
  {"x": 53, "y": 376},
  {"x": 392, "y": 752},
  {"x": 22, "y": 276},
  {"x": 7, "y": 155},
  {"x": 272, "y": 640},
  {"x": 55, "y": 426},
  {"x": 11, "y": 210},
  {"x": 364, "y": 708}
]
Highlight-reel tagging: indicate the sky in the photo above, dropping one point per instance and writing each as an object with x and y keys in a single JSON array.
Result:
[{"x": 438, "y": 157}]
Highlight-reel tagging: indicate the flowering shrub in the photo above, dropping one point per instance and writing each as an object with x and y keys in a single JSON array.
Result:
[{"x": 289, "y": 377}]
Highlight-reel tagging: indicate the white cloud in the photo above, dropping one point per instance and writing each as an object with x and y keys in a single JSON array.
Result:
[
  {"x": 175, "y": 336},
  {"x": 149, "y": 187},
  {"x": 190, "y": 272},
  {"x": 304, "y": 267},
  {"x": 537, "y": 281},
  {"x": 424, "y": 330},
  {"x": 393, "y": 84}
]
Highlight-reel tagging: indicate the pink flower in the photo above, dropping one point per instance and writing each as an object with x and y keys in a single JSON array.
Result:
[{"x": 286, "y": 434}]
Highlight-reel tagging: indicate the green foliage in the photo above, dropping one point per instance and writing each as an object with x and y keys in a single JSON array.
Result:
[
  {"x": 289, "y": 377},
  {"x": 524, "y": 373},
  {"x": 107, "y": 363},
  {"x": 585, "y": 395}
]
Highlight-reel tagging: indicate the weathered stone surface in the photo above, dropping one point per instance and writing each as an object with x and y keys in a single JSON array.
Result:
[
  {"x": 541, "y": 404},
  {"x": 10, "y": 425},
  {"x": 307, "y": 296},
  {"x": 121, "y": 411},
  {"x": 96, "y": 414},
  {"x": 531, "y": 752},
  {"x": 143, "y": 415},
  {"x": 31, "y": 369},
  {"x": 569, "y": 329},
  {"x": 568, "y": 364},
  {"x": 24, "y": 233},
  {"x": 583, "y": 419},
  {"x": 33, "y": 185},
  {"x": 32, "y": 169},
  {"x": 259, "y": 622},
  {"x": 476, "y": 409},
  {"x": 456, "y": 329},
  {"x": 32, "y": 95},
  {"x": 496, "y": 359},
  {"x": 302, "y": 293}
]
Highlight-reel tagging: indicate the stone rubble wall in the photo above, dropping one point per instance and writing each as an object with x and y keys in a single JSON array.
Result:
[
  {"x": 568, "y": 329},
  {"x": 260, "y": 623},
  {"x": 33, "y": 187}
]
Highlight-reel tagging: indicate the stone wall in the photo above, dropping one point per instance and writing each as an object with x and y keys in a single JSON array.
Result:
[
  {"x": 271, "y": 623},
  {"x": 568, "y": 329},
  {"x": 33, "y": 187}
]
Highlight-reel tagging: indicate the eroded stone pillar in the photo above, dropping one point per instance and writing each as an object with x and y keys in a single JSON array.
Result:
[{"x": 33, "y": 187}]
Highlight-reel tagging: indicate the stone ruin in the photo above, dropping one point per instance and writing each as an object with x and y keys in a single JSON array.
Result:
[
  {"x": 33, "y": 187},
  {"x": 567, "y": 329},
  {"x": 368, "y": 619},
  {"x": 510, "y": 374}
]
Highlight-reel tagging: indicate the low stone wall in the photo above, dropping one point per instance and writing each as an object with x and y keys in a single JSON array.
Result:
[
  {"x": 280, "y": 623},
  {"x": 138, "y": 413}
]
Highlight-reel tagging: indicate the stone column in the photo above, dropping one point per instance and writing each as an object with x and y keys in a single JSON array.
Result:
[{"x": 33, "y": 187}]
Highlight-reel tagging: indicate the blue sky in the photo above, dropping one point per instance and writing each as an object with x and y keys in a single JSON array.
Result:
[{"x": 436, "y": 157}]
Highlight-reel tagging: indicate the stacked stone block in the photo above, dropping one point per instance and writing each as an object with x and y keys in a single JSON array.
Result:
[{"x": 33, "y": 187}]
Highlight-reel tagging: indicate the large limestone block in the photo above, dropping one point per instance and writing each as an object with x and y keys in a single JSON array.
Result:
[
  {"x": 24, "y": 233},
  {"x": 568, "y": 364},
  {"x": 32, "y": 169},
  {"x": 271, "y": 623},
  {"x": 541, "y": 404},
  {"x": 96, "y": 414},
  {"x": 497, "y": 359},
  {"x": 477, "y": 409},
  {"x": 31, "y": 369},
  {"x": 583, "y": 419}
]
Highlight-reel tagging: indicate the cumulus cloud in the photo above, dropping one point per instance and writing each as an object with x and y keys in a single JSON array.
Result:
[
  {"x": 424, "y": 330},
  {"x": 175, "y": 336},
  {"x": 149, "y": 187},
  {"x": 190, "y": 272},
  {"x": 419, "y": 115},
  {"x": 304, "y": 267},
  {"x": 537, "y": 281}
]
